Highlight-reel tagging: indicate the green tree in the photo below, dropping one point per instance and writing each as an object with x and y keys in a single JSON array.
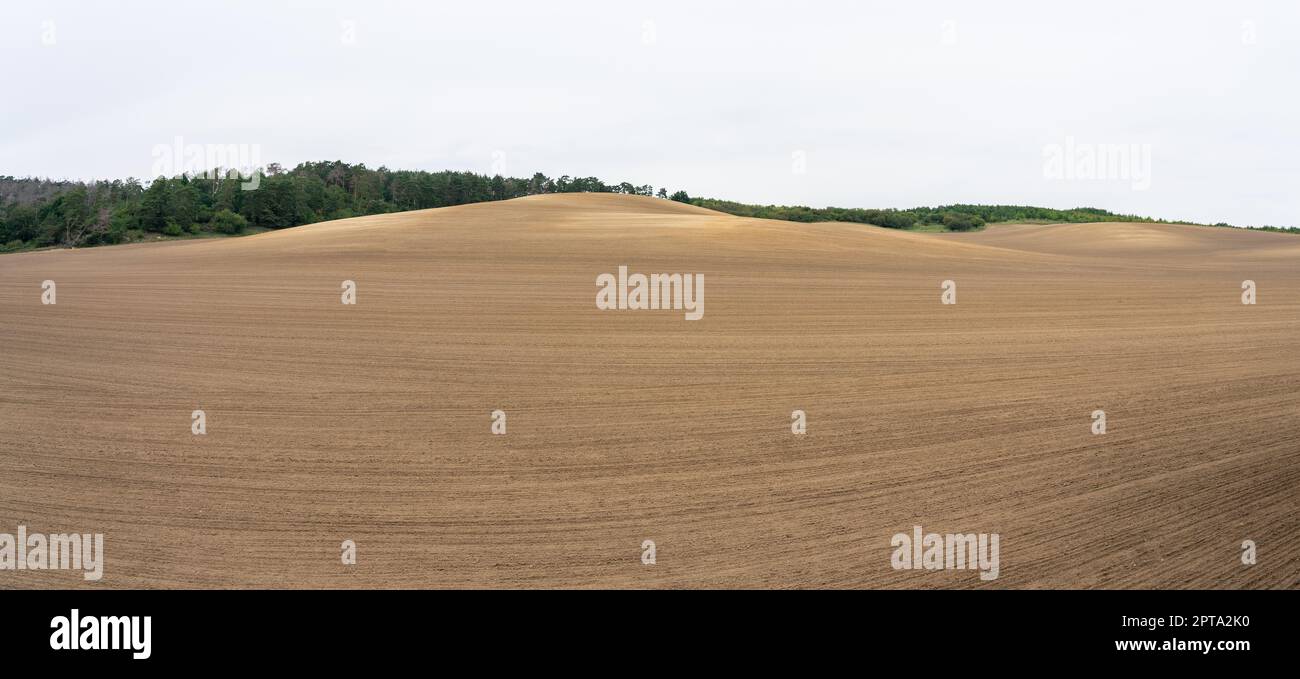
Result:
[
  {"x": 154, "y": 206},
  {"x": 957, "y": 221},
  {"x": 225, "y": 221}
]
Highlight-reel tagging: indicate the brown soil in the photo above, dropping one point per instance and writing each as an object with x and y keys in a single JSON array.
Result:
[{"x": 371, "y": 422}]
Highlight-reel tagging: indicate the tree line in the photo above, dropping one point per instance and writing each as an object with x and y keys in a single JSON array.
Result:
[
  {"x": 41, "y": 213},
  {"x": 961, "y": 217}
]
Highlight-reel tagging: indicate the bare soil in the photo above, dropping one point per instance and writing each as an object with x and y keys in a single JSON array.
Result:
[{"x": 371, "y": 422}]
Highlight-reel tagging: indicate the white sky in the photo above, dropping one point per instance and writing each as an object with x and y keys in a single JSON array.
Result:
[{"x": 892, "y": 104}]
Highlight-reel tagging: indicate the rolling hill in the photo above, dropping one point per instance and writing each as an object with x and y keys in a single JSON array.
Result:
[{"x": 371, "y": 422}]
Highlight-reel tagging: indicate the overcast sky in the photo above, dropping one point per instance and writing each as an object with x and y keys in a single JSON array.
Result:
[{"x": 856, "y": 104}]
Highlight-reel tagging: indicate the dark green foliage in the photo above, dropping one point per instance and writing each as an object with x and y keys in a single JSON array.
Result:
[
  {"x": 227, "y": 222},
  {"x": 960, "y": 221},
  {"x": 40, "y": 213},
  {"x": 894, "y": 219},
  {"x": 953, "y": 217}
]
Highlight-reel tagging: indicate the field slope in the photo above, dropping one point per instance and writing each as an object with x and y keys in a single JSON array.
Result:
[{"x": 328, "y": 422}]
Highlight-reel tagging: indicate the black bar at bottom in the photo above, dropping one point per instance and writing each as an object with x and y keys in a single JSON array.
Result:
[{"x": 939, "y": 629}]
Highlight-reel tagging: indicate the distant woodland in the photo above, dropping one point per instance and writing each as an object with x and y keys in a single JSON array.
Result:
[{"x": 38, "y": 213}]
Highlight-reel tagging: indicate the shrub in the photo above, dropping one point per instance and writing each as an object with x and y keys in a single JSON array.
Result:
[
  {"x": 225, "y": 221},
  {"x": 958, "y": 221}
]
